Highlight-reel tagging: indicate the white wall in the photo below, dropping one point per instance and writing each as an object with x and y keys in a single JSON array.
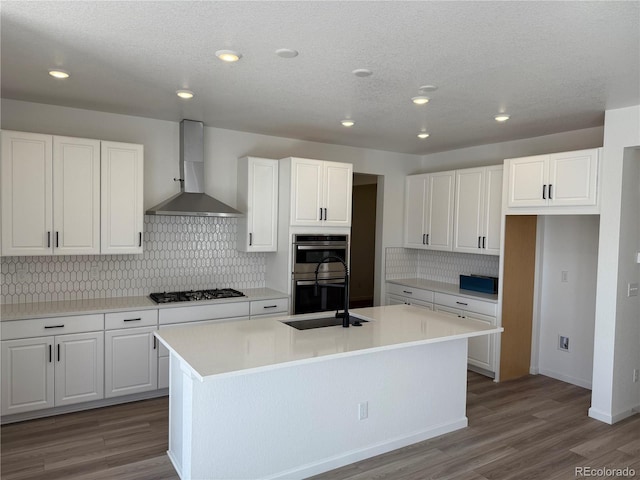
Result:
[
  {"x": 496, "y": 153},
  {"x": 222, "y": 148},
  {"x": 570, "y": 244},
  {"x": 616, "y": 347}
]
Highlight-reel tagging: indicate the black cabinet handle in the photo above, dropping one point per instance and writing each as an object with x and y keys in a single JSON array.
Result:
[
  {"x": 544, "y": 192},
  {"x": 462, "y": 303},
  {"x": 484, "y": 242},
  {"x": 423, "y": 235},
  {"x": 478, "y": 242},
  {"x": 427, "y": 239},
  {"x": 58, "y": 352},
  {"x": 132, "y": 319},
  {"x": 320, "y": 213},
  {"x": 154, "y": 342},
  {"x": 139, "y": 239},
  {"x": 57, "y": 243},
  {"x": 270, "y": 306},
  {"x": 325, "y": 213},
  {"x": 48, "y": 239},
  {"x": 50, "y": 353},
  {"x": 54, "y": 326},
  {"x": 550, "y": 196},
  {"x": 407, "y": 292}
]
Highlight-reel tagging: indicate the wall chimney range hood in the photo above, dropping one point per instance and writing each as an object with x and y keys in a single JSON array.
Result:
[{"x": 192, "y": 201}]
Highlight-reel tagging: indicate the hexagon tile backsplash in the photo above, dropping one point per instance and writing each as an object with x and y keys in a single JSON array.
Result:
[
  {"x": 180, "y": 253},
  {"x": 435, "y": 265}
]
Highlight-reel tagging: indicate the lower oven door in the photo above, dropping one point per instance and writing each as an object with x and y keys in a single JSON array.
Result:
[{"x": 327, "y": 296}]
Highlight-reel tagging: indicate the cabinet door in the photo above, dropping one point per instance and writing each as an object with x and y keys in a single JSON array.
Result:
[
  {"x": 480, "y": 350},
  {"x": 306, "y": 191},
  {"x": 122, "y": 212},
  {"x": 259, "y": 192},
  {"x": 76, "y": 196},
  {"x": 131, "y": 361},
  {"x": 440, "y": 197},
  {"x": 337, "y": 192},
  {"x": 27, "y": 196},
  {"x": 27, "y": 375},
  {"x": 79, "y": 368},
  {"x": 527, "y": 179},
  {"x": 414, "y": 211},
  {"x": 395, "y": 300},
  {"x": 469, "y": 210},
  {"x": 572, "y": 178},
  {"x": 492, "y": 210}
]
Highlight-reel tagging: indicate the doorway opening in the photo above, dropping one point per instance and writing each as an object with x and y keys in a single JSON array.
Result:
[{"x": 363, "y": 240}]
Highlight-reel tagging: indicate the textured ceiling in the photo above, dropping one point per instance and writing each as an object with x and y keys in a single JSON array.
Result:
[{"x": 554, "y": 66}]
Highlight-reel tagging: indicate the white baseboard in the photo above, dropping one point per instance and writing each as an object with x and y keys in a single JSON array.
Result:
[
  {"x": 534, "y": 370},
  {"x": 174, "y": 463},
  {"x": 615, "y": 418},
  {"x": 566, "y": 378},
  {"x": 353, "y": 456}
]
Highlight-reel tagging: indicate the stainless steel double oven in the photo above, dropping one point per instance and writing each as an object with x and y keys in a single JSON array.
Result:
[{"x": 308, "y": 251}]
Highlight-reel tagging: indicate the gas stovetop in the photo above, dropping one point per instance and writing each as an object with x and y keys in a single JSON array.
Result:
[{"x": 194, "y": 295}]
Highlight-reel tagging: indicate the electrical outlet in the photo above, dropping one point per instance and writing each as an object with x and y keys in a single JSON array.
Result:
[
  {"x": 564, "y": 277},
  {"x": 563, "y": 343},
  {"x": 636, "y": 375},
  {"x": 94, "y": 273},
  {"x": 363, "y": 410},
  {"x": 632, "y": 290}
]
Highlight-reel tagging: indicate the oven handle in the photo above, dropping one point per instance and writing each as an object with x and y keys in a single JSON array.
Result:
[
  {"x": 320, "y": 282},
  {"x": 319, "y": 247}
]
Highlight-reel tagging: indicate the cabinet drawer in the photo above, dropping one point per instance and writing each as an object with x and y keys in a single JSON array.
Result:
[
  {"x": 40, "y": 327},
  {"x": 264, "y": 307},
  {"x": 415, "y": 293},
  {"x": 138, "y": 318},
  {"x": 202, "y": 312},
  {"x": 464, "y": 303}
]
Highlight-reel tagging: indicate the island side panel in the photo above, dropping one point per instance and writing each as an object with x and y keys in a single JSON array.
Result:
[{"x": 294, "y": 422}]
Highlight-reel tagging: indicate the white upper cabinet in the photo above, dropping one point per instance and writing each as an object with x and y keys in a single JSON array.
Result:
[
  {"x": 429, "y": 200},
  {"x": 27, "y": 193},
  {"x": 320, "y": 193},
  {"x": 258, "y": 199},
  {"x": 122, "y": 213},
  {"x": 478, "y": 207},
  {"x": 76, "y": 196},
  {"x": 50, "y": 195},
  {"x": 566, "y": 179}
]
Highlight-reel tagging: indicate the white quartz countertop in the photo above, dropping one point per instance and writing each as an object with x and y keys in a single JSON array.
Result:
[
  {"x": 248, "y": 346},
  {"x": 21, "y": 311},
  {"x": 450, "y": 288}
]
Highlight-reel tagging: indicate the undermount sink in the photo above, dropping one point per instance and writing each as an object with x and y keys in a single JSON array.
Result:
[{"x": 318, "y": 323}]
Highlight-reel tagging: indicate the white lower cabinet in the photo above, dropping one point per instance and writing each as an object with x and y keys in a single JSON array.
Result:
[
  {"x": 50, "y": 371},
  {"x": 131, "y": 353},
  {"x": 396, "y": 300},
  {"x": 481, "y": 349},
  {"x": 401, "y": 294}
]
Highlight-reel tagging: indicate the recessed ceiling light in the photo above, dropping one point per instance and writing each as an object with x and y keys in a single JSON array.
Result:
[
  {"x": 423, "y": 135},
  {"x": 347, "y": 122},
  {"x": 502, "y": 117},
  {"x": 362, "y": 72},
  {"x": 228, "y": 55},
  {"x": 57, "y": 73},
  {"x": 420, "y": 100},
  {"x": 286, "y": 53},
  {"x": 186, "y": 94},
  {"x": 428, "y": 88}
]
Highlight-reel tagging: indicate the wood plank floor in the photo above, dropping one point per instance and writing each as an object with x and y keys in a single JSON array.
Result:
[{"x": 532, "y": 428}]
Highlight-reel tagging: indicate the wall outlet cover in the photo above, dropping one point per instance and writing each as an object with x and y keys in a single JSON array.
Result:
[{"x": 563, "y": 343}]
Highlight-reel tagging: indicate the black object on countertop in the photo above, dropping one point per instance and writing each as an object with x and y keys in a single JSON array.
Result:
[
  {"x": 195, "y": 295},
  {"x": 479, "y": 283}
]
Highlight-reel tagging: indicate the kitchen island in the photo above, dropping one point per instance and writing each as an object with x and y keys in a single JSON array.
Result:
[{"x": 261, "y": 399}]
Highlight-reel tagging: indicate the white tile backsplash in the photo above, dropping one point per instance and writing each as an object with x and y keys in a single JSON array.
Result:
[
  {"x": 438, "y": 266},
  {"x": 180, "y": 253}
]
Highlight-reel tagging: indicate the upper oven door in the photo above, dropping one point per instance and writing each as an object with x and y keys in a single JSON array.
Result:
[{"x": 308, "y": 252}]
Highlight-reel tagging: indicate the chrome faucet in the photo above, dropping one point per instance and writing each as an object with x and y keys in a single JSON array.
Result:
[{"x": 345, "y": 286}]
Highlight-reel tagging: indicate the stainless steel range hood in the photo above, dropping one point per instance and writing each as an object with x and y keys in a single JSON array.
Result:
[{"x": 192, "y": 201}]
